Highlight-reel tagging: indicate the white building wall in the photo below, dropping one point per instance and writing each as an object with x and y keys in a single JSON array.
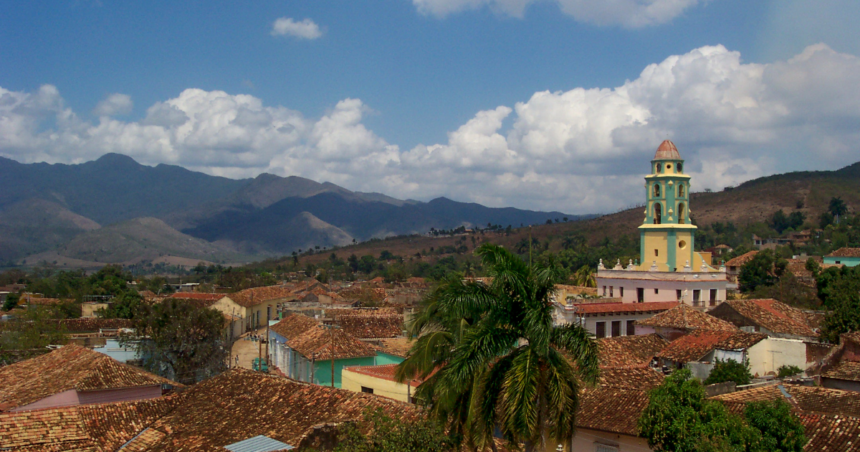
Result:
[
  {"x": 661, "y": 286},
  {"x": 567, "y": 316},
  {"x": 771, "y": 353},
  {"x": 587, "y": 440}
]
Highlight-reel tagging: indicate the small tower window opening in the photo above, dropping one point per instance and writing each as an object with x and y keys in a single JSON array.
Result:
[
  {"x": 681, "y": 213},
  {"x": 658, "y": 213},
  {"x": 679, "y": 167},
  {"x": 668, "y": 166},
  {"x": 680, "y": 190},
  {"x": 659, "y": 167},
  {"x": 656, "y": 190}
]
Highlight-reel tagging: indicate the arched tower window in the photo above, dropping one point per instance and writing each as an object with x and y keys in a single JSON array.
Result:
[
  {"x": 659, "y": 168},
  {"x": 680, "y": 190},
  {"x": 658, "y": 213},
  {"x": 679, "y": 167},
  {"x": 681, "y": 213},
  {"x": 656, "y": 190}
]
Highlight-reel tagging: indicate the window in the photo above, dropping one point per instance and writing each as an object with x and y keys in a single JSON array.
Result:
[
  {"x": 697, "y": 295},
  {"x": 656, "y": 252},
  {"x": 640, "y": 295},
  {"x": 680, "y": 167},
  {"x": 600, "y": 329},
  {"x": 681, "y": 213},
  {"x": 682, "y": 244},
  {"x": 631, "y": 327},
  {"x": 656, "y": 190},
  {"x": 611, "y": 291},
  {"x": 616, "y": 328},
  {"x": 678, "y": 294},
  {"x": 658, "y": 213},
  {"x": 680, "y": 190},
  {"x": 604, "y": 291},
  {"x": 656, "y": 291},
  {"x": 713, "y": 297},
  {"x": 621, "y": 292},
  {"x": 366, "y": 390},
  {"x": 659, "y": 167}
]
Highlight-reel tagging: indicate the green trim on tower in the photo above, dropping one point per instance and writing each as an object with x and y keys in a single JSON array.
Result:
[{"x": 672, "y": 249}]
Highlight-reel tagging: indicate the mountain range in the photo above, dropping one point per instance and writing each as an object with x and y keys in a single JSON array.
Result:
[{"x": 115, "y": 210}]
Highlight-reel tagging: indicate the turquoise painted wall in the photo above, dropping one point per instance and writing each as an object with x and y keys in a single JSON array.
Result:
[
  {"x": 385, "y": 358},
  {"x": 322, "y": 369},
  {"x": 846, "y": 261}
]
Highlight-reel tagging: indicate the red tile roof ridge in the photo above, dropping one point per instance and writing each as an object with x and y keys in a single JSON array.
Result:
[
  {"x": 683, "y": 316},
  {"x": 845, "y": 252},
  {"x": 599, "y": 308},
  {"x": 742, "y": 259},
  {"x": 383, "y": 371}
]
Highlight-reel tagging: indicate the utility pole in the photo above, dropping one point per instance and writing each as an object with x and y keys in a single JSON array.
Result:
[
  {"x": 530, "y": 245},
  {"x": 268, "y": 315}
]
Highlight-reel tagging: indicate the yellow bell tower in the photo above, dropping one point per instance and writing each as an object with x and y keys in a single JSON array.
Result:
[{"x": 666, "y": 235}]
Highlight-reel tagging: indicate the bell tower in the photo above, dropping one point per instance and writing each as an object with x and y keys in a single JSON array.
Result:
[{"x": 666, "y": 234}]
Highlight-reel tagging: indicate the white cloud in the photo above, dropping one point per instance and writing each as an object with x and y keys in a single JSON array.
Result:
[
  {"x": 627, "y": 13},
  {"x": 577, "y": 151},
  {"x": 114, "y": 104},
  {"x": 306, "y": 29}
]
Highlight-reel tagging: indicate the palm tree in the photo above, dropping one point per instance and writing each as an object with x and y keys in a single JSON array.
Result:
[
  {"x": 499, "y": 360},
  {"x": 585, "y": 277}
]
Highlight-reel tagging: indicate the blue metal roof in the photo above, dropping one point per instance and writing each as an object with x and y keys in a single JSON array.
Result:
[{"x": 258, "y": 444}]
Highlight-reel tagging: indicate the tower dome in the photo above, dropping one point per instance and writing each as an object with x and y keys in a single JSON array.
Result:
[{"x": 667, "y": 151}]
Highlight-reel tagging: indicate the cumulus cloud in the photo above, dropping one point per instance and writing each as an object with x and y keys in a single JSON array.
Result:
[
  {"x": 306, "y": 29},
  {"x": 577, "y": 151},
  {"x": 627, "y": 13},
  {"x": 114, "y": 104}
]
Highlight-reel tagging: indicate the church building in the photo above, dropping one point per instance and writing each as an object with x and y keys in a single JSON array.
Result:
[{"x": 669, "y": 269}]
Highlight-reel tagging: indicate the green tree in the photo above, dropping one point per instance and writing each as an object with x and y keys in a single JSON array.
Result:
[
  {"x": 11, "y": 302},
  {"x": 779, "y": 429},
  {"x": 125, "y": 306},
  {"x": 30, "y": 332},
  {"x": 843, "y": 296},
  {"x": 179, "y": 341},
  {"x": 729, "y": 370},
  {"x": 762, "y": 270},
  {"x": 786, "y": 371},
  {"x": 837, "y": 208},
  {"x": 502, "y": 363},
  {"x": 678, "y": 418},
  {"x": 585, "y": 277},
  {"x": 393, "y": 435}
]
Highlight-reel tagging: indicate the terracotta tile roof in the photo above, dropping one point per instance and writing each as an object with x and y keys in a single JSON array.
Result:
[
  {"x": 742, "y": 259},
  {"x": 70, "y": 367},
  {"x": 94, "y": 324},
  {"x": 740, "y": 341},
  {"x": 831, "y": 432},
  {"x": 384, "y": 371},
  {"x": 202, "y": 300},
  {"x": 616, "y": 403},
  {"x": 397, "y": 346},
  {"x": 845, "y": 370},
  {"x": 629, "y": 351},
  {"x": 619, "y": 308},
  {"x": 643, "y": 378},
  {"x": 686, "y": 318},
  {"x": 240, "y": 404},
  {"x": 319, "y": 341},
  {"x": 810, "y": 399},
  {"x": 252, "y": 297},
  {"x": 102, "y": 427},
  {"x": 372, "y": 327},
  {"x": 775, "y": 316},
  {"x": 294, "y": 325},
  {"x": 335, "y": 313},
  {"x": 845, "y": 252},
  {"x": 693, "y": 346}
]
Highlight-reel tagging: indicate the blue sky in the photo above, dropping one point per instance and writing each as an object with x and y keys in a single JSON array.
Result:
[{"x": 428, "y": 98}]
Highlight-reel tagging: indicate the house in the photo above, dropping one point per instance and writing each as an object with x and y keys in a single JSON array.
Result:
[
  {"x": 73, "y": 375},
  {"x": 681, "y": 320},
  {"x": 607, "y": 417},
  {"x": 849, "y": 257},
  {"x": 830, "y": 417},
  {"x": 700, "y": 349},
  {"x": 371, "y": 326},
  {"x": 840, "y": 369},
  {"x": 770, "y": 317},
  {"x": 393, "y": 350},
  {"x": 379, "y": 380},
  {"x": 608, "y": 319},
  {"x": 215, "y": 414},
  {"x": 733, "y": 266},
  {"x": 669, "y": 268},
  {"x": 629, "y": 351},
  {"x": 254, "y": 306},
  {"x": 304, "y": 349}
]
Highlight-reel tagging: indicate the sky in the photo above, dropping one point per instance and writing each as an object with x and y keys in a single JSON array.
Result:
[{"x": 536, "y": 104}]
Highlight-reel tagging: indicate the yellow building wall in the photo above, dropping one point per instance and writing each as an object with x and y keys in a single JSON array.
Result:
[
  {"x": 656, "y": 241},
  {"x": 682, "y": 255},
  {"x": 229, "y": 307},
  {"x": 353, "y": 381}
]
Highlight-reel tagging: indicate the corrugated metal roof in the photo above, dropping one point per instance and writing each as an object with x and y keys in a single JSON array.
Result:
[{"x": 258, "y": 444}]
